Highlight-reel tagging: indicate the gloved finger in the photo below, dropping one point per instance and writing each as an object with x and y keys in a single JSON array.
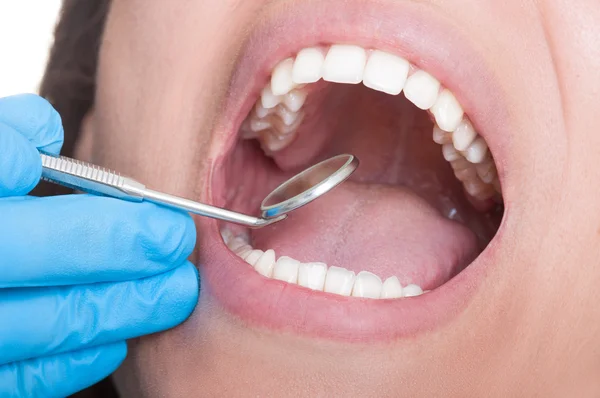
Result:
[
  {"x": 60, "y": 375},
  {"x": 20, "y": 164},
  {"x": 27, "y": 122},
  {"x": 44, "y": 321},
  {"x": 77, "y": 239},
  {"x": 34, "y": 118}
]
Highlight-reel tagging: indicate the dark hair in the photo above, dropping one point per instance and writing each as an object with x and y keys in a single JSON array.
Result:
[{"x": 69, "y": 83}]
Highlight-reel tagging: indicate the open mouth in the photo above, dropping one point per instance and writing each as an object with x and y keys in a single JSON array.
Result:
[{"x": 423, "y": 205}]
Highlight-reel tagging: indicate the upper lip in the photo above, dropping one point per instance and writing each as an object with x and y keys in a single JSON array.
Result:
[{"x": 429, "y": 40}]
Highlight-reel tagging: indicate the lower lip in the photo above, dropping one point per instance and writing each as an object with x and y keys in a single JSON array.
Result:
[
  {"x": 281, "y": 306},
  {"x": 287, "y": 307}
]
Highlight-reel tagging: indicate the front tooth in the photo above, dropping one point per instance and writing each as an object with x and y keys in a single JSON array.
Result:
[
  {"x": 476, "y": 152},
  {"x": 386, "y": 72},
  {"x": 294, "y": 100},
  {"x": 422, "y": 89},
  {"x": 344, "y": 64},
  {"x": 312, "y": 275},
  {"x": 367, "y": 285},
  {"x": 308, "y": 67},
  {"x": 254, "y": 256},
  {"x": 412, "y": 290},
  {"x": 268, "y": 99},
  {"x": 286, "y": 269},
  {"x": 339, "y": 281},
  {"x": 391, "y": 288},
  {"x": 265, "y": 263},
  {"x": 464, "y": 135},
  {"x": 447, "y": 111}
]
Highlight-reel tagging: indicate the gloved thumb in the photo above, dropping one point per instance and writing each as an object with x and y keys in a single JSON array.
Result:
[{"x": 27, "y": 123}]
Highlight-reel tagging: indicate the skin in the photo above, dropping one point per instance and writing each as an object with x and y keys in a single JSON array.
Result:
[{"x": 532, "y": 328}]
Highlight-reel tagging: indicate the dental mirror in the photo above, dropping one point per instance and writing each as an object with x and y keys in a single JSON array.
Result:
[
  {"x": 308, "y": 185},
  {"x": 296, "y": 192}
]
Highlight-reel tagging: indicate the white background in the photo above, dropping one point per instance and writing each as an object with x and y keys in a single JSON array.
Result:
[{"x": 26, "y": 32}]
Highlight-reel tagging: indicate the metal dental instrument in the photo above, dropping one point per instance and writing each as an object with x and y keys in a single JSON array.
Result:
[{"x": 296, "y": 192}]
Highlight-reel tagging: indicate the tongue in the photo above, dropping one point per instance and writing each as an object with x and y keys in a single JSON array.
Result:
[{"x": 382, "y": 229}]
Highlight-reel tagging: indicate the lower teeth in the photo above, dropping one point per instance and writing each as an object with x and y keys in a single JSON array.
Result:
[{"x": 318, "y": 276}]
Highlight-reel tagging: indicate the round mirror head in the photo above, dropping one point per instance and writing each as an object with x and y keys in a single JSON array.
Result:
[{"x": 307, "y": 186}]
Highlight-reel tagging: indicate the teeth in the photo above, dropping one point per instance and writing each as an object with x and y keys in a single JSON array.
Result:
[
  {"x": 316, "y": 275},
  {"x": 344, "y": 64},
  {"x": 447, "y": 111},
  {"x": 367, "y": 285},
  {"x": 450, "y": 153},
  {"x": 391, "y": 288},
  {"x": 476, "y": 152},
  {"x": 312, "y": 275},
  {"x": 464, "y": 135},
  {"x": 275, "y": 119},
  {"x": 386, "y": 72},
  {"x": 412, "y": 290},
  {"x": 422, "y": 89},
  {"x": 286, "y": 269},
  {"x": 440, "y": 136},
  {"x": 265, "y": 264},
  {"x": 268, "y": 99},
  {"x": 254, "y": 256},
  {"x": 308, "y": 67},
  {"x": 257, "y": 125},
  {"x": 281, "y": 79},
  {"x": 243, "y": 250},
  {"x": 486, "y": 171},
  {"x": 339, "y": 281},
  {"x": 294, "y": 100}
]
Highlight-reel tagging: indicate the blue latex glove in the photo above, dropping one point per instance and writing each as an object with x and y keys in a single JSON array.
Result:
[{"x": 78, "y": 274}]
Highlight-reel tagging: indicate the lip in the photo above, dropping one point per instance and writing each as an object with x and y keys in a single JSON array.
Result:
[{"x": 430, "y": 41}]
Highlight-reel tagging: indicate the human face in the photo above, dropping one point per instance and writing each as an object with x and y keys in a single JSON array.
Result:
[{"x": 176, "y": 81}]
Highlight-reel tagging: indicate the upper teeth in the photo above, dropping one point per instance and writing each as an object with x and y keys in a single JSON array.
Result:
[
  {"x": 278, "y": 114},
  {"x": 317, "y": 275}
]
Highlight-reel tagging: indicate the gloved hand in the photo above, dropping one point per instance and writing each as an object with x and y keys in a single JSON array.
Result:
[{"x": 79, "y": 274}]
